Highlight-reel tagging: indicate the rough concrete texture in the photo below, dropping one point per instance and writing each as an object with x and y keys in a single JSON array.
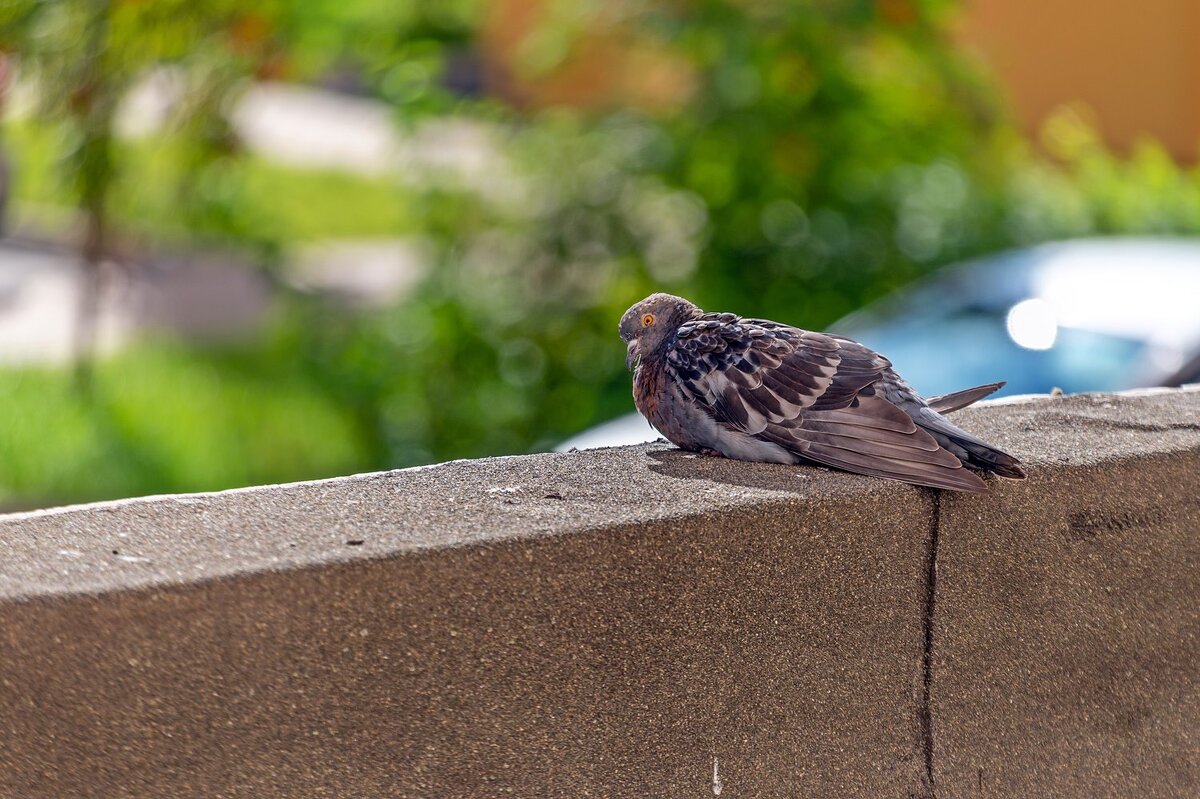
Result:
[
  {"x": 633, "y": 622},
  {"x": 1066, "y": 658}
]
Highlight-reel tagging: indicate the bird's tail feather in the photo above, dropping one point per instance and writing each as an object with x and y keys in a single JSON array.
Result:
[
  {"x": 948, "y": 403},
  {"x": 983, "y": 456},
  {"x": 969, "y": 449}
]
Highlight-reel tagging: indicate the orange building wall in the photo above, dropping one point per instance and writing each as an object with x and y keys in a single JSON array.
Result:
[
  {"x": 1135, "y": 63},
  {"x": 606, "y": 63}
]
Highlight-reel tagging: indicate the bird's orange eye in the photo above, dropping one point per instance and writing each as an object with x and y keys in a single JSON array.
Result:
[{"x": 648, "y": 320}]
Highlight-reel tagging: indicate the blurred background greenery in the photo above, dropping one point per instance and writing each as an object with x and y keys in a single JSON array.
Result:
[{"x": 546, "y": 163}]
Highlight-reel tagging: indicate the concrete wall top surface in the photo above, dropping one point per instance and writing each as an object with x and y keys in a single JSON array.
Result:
[{"x": 155, "y": 540}]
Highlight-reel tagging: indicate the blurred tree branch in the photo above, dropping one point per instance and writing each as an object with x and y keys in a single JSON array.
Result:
[{"x": 82, "y": 58}]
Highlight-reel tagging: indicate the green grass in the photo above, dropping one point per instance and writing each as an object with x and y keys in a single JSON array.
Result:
[
  {"x": 268, "y": 200},
  {"x": 162, "y": 418}
]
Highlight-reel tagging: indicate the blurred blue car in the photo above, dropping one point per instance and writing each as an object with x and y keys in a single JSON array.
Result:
[{"x": 1085, "y": 315}]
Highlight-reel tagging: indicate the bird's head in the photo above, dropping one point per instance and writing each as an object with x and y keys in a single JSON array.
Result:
[{"x": 649, "y": 324}]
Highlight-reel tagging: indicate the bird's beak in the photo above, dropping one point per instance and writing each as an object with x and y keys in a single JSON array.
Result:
[{"x": 631, "y": 354}]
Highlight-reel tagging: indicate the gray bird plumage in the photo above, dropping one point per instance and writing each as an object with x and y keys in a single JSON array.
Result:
[{"x": 757, "y": 390}]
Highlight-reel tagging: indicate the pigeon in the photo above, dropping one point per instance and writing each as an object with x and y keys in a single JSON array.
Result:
[{"x": 756, "y": 390}]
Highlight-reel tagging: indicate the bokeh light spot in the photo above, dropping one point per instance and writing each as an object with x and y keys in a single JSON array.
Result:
[{"x": 1032, "y": 324}]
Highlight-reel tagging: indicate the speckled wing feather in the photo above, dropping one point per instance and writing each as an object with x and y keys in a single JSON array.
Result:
[{"x": 810, "y": 393}]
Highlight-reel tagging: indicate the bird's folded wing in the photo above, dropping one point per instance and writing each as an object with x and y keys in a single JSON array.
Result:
[
  {"x": 753, "y": 373},
  {"x": 811, "y": 394},
  {"x": 876, "y": 438}
]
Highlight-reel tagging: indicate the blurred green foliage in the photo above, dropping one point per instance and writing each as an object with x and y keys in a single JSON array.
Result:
[
  {"x": 279, "y": 204},
  {"x": 819, "y": 155},
  {"x": 1084, "y": 189},
  {"x": 161, "y": 418}
]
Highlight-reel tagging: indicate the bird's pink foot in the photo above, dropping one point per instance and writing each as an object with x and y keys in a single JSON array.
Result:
[{"x": 713, "y": 452}]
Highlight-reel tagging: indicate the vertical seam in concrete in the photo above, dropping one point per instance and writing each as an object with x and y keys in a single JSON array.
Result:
[{"x": 927, "y": 651}]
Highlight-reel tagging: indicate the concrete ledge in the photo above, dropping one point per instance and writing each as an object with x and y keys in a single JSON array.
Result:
[{"x": 632, "y": 622}]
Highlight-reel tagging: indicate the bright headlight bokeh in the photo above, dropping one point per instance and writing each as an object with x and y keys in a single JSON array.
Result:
[{"x": 1032, "y": 324}]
